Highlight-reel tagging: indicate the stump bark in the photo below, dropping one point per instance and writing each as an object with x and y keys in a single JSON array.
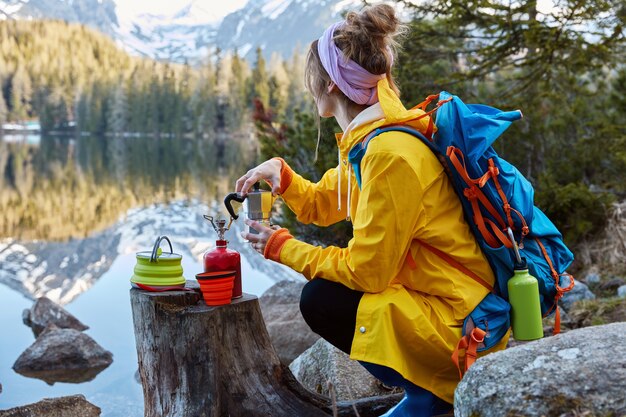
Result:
[{"x": 201, "y": 361}]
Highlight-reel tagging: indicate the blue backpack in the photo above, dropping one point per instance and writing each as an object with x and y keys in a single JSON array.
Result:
[{"x": 497, "y": 200}]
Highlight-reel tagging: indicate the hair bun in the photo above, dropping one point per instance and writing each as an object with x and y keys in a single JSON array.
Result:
[
  {"x": 380, "y": 20},
  {"x": 369, "y": 37}
]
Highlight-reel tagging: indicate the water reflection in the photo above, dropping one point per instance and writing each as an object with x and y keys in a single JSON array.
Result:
[
  {"x": 65, "y": 187},
  {"x": 73, "y": 376},
  {"x": 102, "y": 200}
]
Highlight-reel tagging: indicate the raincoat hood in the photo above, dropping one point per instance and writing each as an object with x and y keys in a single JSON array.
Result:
[{"x": 388, "y": 111}]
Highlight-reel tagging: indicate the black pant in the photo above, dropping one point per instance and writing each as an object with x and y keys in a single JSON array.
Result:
[{"x": 330, "y": 309}]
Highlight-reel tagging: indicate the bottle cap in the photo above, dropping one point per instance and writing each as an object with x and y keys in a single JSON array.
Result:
[{"x": 522, "y": 264}]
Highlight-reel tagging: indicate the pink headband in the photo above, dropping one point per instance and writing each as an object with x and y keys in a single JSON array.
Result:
[{"x": 358, "y": 84}]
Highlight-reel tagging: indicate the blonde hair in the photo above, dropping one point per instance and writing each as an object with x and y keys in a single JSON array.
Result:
[{"x": 369, "y": 38}]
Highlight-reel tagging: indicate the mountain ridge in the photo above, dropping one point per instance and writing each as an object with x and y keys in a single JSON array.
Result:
[{"x": 192, "y": 33}]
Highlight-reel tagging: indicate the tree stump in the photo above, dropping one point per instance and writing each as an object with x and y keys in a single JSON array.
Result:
[
  {"x": 196, "y": 360},
  {"x": 201, "y": 361}
]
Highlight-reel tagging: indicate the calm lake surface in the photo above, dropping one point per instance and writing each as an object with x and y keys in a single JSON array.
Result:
[{"x": 90, "y": 276}]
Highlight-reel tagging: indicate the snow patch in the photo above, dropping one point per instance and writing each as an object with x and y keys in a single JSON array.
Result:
[
  {"x": 274, "y": 8},
  {"x": 65, "y": 262},
  {"x": 244, "y": 49},
  {"x": 10, "y": 9}
]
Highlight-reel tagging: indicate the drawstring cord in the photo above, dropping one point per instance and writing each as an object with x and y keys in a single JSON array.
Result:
[
  {"x": 349, "y": 191},
  {"x": 338, "y": 179}
]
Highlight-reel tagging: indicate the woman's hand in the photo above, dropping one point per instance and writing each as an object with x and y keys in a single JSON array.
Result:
[
  {"x": 259, "y": 241},
  {"x": 268, "y": 171}
]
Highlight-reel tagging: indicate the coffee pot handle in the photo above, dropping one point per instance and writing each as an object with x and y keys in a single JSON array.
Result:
[
  {"x": 228, "y": 203},
  {"x": 157, "y": 244}
]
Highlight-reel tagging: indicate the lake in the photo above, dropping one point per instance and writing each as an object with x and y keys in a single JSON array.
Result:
[{"x": 89, "y": 275}]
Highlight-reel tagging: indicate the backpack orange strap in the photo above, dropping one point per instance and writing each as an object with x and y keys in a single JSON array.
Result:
[
  {"x": 559, "y": 290},
  {"x": 496, "y": 237},
  {"x": 422, "y": 106},
  {"x": 452, "y": 262},
  {"x": 493, "y": 173},
  {"x": 469, "y": 343}
]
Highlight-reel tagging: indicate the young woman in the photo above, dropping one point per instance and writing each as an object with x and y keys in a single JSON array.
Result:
[{"x": 387, "y": 299}]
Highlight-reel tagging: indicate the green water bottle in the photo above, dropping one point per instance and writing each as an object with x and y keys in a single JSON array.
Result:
[{"x": 524, "y": 299}]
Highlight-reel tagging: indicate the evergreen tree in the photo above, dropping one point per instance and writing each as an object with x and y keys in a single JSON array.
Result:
[
  {"x": 118, "y": 110},
  {"x": 260, "y": 80},
  {"x": 278, "y": 85},
  {"x": 237, "y": 103},
  {"x": 298, "y": 99},
  {"x": 20, "y": 94},
  {"x": 4, "y": 111}
]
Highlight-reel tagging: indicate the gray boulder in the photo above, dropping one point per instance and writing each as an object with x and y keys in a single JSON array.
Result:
[
  {"x": 578, "y": 293},
  {"x": 63, "y": 355},
  {"x": 581, "y": 372},
  {"x": 621, "y": 291},
  {"x": 289, "y": 333},
  {"x": 592, "y": 278},
  {"x": 45, "y": 312},
  {"x": 324, "y": 363},
  {"x": 71, "y": 406}
]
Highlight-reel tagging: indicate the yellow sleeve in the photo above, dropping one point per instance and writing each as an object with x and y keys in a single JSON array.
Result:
[
  {"x": 388, "y": 215},
  {"x": 314, "y": 202}
]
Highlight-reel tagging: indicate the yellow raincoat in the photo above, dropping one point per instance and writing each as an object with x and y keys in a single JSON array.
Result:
[{"x": 411, "y": 314}]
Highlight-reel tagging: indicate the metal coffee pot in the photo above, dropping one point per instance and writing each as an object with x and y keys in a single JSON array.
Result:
[{"x": 258, "y": 205}]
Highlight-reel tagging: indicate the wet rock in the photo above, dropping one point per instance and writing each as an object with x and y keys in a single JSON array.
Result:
[
  {"x": 621, "y": 291},
  {"x": 45, "y": 312},
  {"x": 63, "y": 355},
  {"x": 581, "y": 372},
  {"x": 578, "y": 293},
  {"x": 71, "y": 406},
  {"x": 323, "y": 363},
  {"x": 288, "y": 331}
]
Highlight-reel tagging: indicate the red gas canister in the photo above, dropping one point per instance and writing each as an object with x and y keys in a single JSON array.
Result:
[{"x": 221, "y": 258}]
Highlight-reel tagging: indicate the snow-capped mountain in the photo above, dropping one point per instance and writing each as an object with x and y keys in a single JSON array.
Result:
[
  {"x": 196, "y": 28},
  {"x": 278, "y": 25},
  {"x": 98, "y": 14}
]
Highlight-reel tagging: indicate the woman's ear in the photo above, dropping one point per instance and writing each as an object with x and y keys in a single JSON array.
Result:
[{"x": 331, "y": 87}]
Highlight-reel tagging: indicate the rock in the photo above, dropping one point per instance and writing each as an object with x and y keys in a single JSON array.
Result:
[
  {"x": 612, "y": 284},
  {"x": 288, "y": 331},
  {"x": 46, "y": 311},
  {"x": 581, "y": 372},
  {"x": 71, "y": 406},
  {"x": 621, "y": 291},
  {"x": 578, "y": 293},
  {"x": 324, "y": 363},
  {"x": 592, "y": 278},
  {"x": 63, "y": 355}
]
